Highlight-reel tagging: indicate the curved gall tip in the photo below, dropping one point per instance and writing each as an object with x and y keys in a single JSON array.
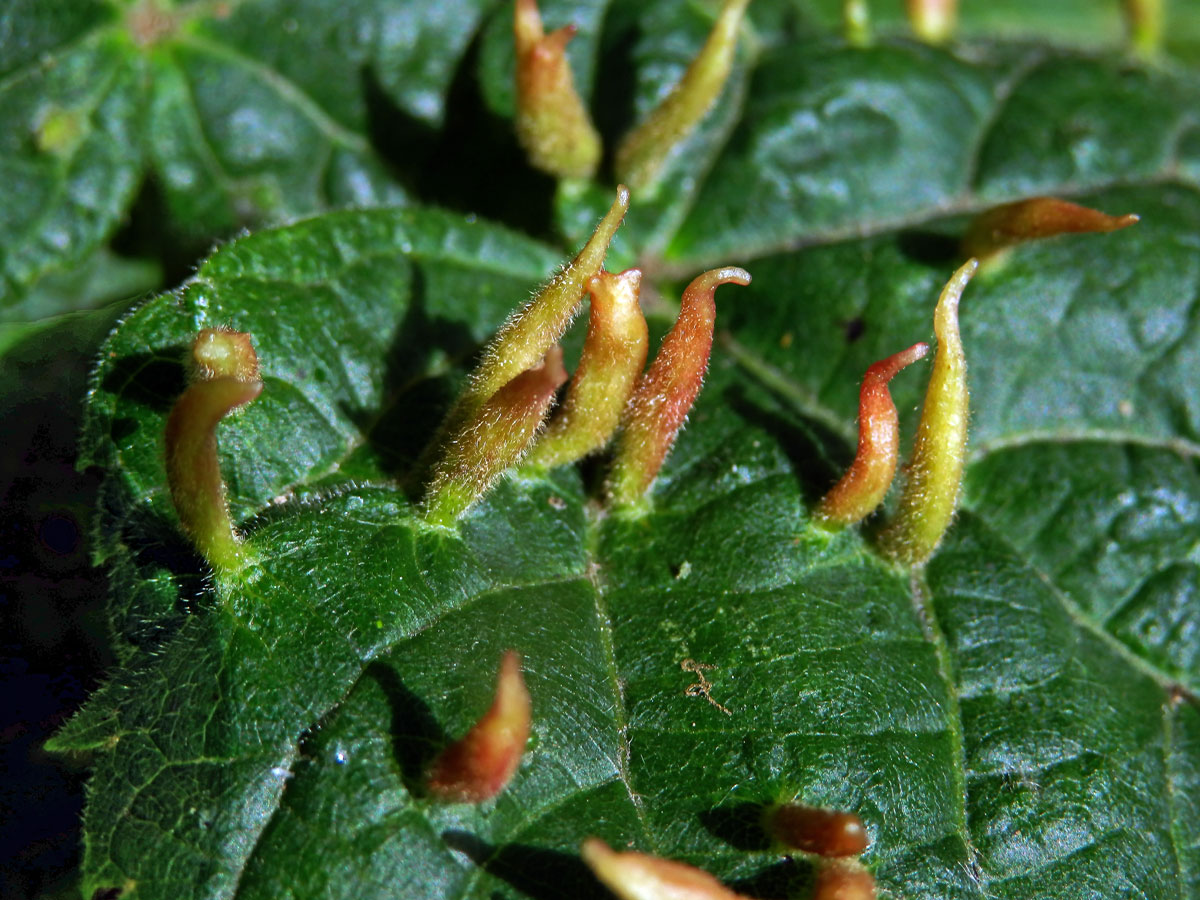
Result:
[
  {"x": 727, "y": 275},
  {"x": 887, "y": 369},
  {"x": 935, "y": 472},
  {"x": 866, "y": 482},
  {"x": 1002, "y": 227},
  {"x": 665, "y": 393},
  {"x": 945, "y": 314}
]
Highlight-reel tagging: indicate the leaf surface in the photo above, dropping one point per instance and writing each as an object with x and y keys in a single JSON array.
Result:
[
  {"x": 1015, "y": 720},
  {"x": 238, "y": 114}
]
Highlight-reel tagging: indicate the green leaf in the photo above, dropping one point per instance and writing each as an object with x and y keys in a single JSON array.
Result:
[
  {"x": 237, "y": 113},
  {"x": 1016, "y": 719}
]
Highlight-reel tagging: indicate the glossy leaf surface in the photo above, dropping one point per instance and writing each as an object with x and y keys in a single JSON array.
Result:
[{"x": 1015, "y": 720}]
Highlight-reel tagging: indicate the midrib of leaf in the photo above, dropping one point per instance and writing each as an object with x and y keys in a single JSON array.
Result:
[
  {"x": 250, "y": 591},
  {"x": 594, "y": 575},
  {"x": 620, "y": 712},
  {"x": 967, "y": 203},
  {"x": 806, "y": 404},
  {"x": 1172, "y": 804},
  {"x": 932, "y": 629},
  {"x": 1179, "y": 446}
]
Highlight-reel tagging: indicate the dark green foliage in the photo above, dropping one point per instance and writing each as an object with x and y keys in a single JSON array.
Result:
[{"x": 1017, "y": 720}]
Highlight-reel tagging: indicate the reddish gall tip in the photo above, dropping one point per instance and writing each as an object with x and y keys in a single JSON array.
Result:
[
  {"x": 665, "y": 393},
  {"x": 1034, "y": 218},
  {"x": 481, "y": 764},
  {"x": 825, "y": 832},
  {"x": 844, "y": 881},
  {"x": 866, "y": 482}
]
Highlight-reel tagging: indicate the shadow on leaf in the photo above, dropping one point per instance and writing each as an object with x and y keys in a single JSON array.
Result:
[
  {"x": 152, "y": 380},
  {"x": 740, "y": 826},
  {"x": 143, "y": 613},
  {"x": 473, "y": 164},
  {"x": 804, "y": 442},
  {"x": 534, "y": 871},
  {"x": 414, "y": 401},
  {"x": 416, "y": 735},
  {"x": 787, "y": 878},
  {"x": 930, "y": 248}
]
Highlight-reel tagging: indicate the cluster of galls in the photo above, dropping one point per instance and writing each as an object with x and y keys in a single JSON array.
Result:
[
  {"x": 503, "y": 417},
  {"x": 498, "y": 419},
  {"x": 934, "y": 473}
]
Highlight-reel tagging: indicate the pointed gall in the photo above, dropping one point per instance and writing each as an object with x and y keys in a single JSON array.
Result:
[
  {"x": 639, "y": 876},
  {"x": 645, "y": 150},
  {"x": 224, "y": 377},
  {"x": 843, "y": 881},
  {"x": 475, "y": 455},
  {"x": 930, "y": 495},
  {"x": 997, "y": 229},
  {"x": 524, "y": 339},
  {"x": 825, "y": 832},
  {"x": 933, "y": 21},
  {"x": 665, "y": 393},
  {"x": 552, "y": 123},
  {"x": 866, "y": 482},
  {"x": 614, "y": 353},
  {"x": 481, "y": 764}
]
